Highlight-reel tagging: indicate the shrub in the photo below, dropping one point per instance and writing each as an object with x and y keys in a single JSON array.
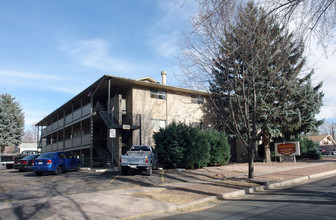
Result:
[
  {"x": 308, "y": 149},
  {"x": 314, "y": 153},
  {"x": 168, "y": 145},
  {"x": 196, "y": 148},
  {"x": 179, "y": 145},
  {"x": 219, "y": 147}
]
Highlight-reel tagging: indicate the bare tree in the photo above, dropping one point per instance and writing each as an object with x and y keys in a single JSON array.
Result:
[
  {"x": 30, "y": 135},
  {"x": 200, "y": 45},
  {"x": 328, "y": 127},
  {"x": 310, "y": 18}
]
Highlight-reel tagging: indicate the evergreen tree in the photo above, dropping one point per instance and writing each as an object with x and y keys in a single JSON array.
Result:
[
  {"x": 11, "y": 122},
  {"x": 256, "y": 85},
  {"x": 308, "y": 101}
]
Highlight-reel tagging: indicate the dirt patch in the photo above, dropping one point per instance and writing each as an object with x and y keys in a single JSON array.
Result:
[
  {"x": 160, "y": 195},
  {"x": 242, "y": 182},
  {"x": 240, "y": 170},
  {"x": 187, "y": 194}
]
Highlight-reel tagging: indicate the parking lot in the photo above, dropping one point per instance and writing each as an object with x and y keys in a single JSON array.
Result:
[{"x": 15, "y": 185}]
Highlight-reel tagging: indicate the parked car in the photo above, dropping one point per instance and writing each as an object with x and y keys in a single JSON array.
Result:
[
  {"x": 25, "y": 163},
  {"x": 333, "y": 152},
  {"x": 9, "y": 159},
  {"x": 139, "y": 157},
  {"x": 25, "y": 153},
  {"x": 56, "y": 162},
  {"x": 322, "y": 151}
]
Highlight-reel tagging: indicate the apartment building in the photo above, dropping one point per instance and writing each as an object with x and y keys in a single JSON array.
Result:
[{"x": 103, "y": 121}]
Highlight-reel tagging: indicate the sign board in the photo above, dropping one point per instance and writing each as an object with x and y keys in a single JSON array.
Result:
[
  {"x": 126, "y": 127},
  {"x": 287, "y": 149},
  {"x": 113, "y": 133}
]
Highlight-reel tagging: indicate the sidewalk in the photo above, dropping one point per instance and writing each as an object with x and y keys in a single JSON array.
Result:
[{"x": 225, "y": 182}]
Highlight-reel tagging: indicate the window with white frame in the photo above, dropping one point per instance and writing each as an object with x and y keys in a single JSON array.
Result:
[
  {"x": 158, "y": 94},
  {"x": 157, "y": 124},
  {"x": 197, "y": 99}
]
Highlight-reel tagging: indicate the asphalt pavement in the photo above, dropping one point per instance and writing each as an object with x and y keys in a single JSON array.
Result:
[
  {"x": 313, "y": 200},
  {"x": 176, "y": 192}
]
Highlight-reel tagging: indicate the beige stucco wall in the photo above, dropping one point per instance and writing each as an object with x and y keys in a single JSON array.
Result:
[
  {"x": 180, "y": 109},
  {"x": 177, "y": 107}
]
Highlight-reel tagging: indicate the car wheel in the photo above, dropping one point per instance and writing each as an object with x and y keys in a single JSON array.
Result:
[
  {"x": 124, "y": 170},
  {"x": 149, "y": 170},
  {"x": 38, "y": 173},
  {"x": 78, "y": 167},
  {"x": 58, "y": 170}
]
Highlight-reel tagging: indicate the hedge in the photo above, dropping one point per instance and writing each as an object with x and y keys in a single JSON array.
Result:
[{"x": 180, "y": 145}]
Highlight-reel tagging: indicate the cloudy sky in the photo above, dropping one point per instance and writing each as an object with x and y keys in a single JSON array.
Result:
[{"x": 52, "y": 50}]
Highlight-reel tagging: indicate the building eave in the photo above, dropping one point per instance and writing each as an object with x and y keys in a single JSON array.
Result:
[{"x": 131, "y": 82}]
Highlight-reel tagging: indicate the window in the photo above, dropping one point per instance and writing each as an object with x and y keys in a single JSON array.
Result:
[
  {"x": 197, "y": 125},
  {"x": 197, "y": 99},
  {"x": 157, "y": 124},
  {"x": 158, "y": 94},
  {"x": 123, "y": 106}
]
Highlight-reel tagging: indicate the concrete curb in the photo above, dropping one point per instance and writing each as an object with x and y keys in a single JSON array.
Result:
[
  {"x": 243, "y": 192},
  {"x": 239, "y": 193}
]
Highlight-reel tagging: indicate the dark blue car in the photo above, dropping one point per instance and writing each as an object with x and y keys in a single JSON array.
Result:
[{"x": 56, "y": 162}]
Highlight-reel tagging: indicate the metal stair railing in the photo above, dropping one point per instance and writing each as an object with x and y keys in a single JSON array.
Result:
[{"x": 106, "y": 118}]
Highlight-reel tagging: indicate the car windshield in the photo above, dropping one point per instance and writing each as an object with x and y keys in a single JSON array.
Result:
[
  {"x": 29, "y": 152},
  {"x": 30, "y": 157},
  {"x": 46, "y": 155}
]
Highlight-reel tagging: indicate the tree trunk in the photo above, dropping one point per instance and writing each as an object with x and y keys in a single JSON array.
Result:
[
  {"x": 251, "y": 152},
  {"x": 267, "y": 148}
]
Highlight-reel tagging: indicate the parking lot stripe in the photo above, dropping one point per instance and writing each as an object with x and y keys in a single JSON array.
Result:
[
  {"x": 114, "y": 179},
  {"x": 162, "y": 176}
]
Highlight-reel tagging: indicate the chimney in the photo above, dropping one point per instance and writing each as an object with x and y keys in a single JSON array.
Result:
[{"x": 164, "y": 77}]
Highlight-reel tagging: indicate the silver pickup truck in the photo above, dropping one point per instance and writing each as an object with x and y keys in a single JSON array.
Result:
[{"x": 139, "y": 157}]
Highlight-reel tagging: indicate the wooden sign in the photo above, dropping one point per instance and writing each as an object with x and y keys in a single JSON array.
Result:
[{"x": 287, "y": 149}]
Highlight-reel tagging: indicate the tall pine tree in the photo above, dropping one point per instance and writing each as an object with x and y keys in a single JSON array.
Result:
[
  {"x": 11, "y": 122},
  {"x": 256, "y": 85}
]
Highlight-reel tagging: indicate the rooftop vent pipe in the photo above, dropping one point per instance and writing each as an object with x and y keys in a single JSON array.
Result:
[{"x": 164, "y": 77}]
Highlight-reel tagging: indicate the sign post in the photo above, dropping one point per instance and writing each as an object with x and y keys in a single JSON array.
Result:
[
  {"x": 113, "y": 134},
  {"x": 287, "y": 149}
]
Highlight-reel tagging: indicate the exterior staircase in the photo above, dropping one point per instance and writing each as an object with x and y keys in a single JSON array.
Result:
[{"x": 104, "y": 156}]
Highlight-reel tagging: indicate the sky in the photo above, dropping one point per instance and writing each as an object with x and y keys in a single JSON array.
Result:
[{"x": 52, "y": 50}]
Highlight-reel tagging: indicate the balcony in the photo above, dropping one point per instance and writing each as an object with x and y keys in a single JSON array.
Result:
[
  {"x": 76, "y": 115},
  {"x": 79, "y": 141}
]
